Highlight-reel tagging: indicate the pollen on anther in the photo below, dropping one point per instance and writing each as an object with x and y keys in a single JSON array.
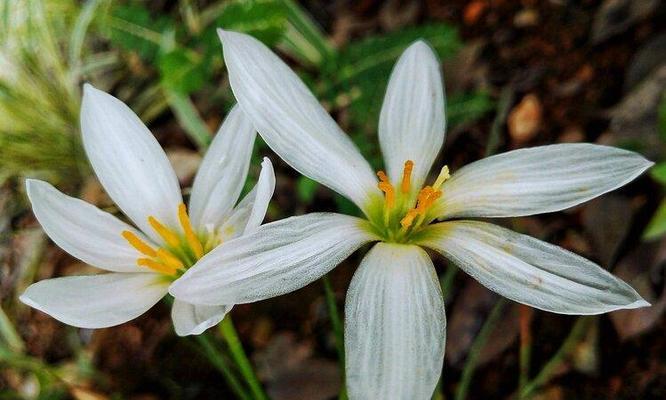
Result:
[
  {"x": 138, "y": 244},
  {"x": 191, "y": 237},
  {"x": 167, "y": 234},
  {"x": 407, "y": 176},
  {"x": 155, "y": 266}
]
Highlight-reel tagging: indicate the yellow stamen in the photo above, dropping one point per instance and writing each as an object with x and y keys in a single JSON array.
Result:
[
  {"x": 154, "y": 265},
  {"x": 190, "y": 236},
  {"x": 138, "y": 244},
  {"x": 443, "y": 176},
  {"x": 167, "y": 234},
  {"x": 407, "y": 220},
  {"x": 169, "y": 259},
  {"x": 407, "y": 176},
  {"x": 386, "y": 187}
]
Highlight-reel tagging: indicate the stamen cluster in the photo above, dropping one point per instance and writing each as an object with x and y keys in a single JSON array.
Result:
[
  {"x": 182, "y": 250},
  {"x": 405, "y": 211}
]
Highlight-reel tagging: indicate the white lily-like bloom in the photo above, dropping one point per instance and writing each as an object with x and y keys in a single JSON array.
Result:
[
  {"x": 394, "y": 316},
  {"x": 143, "y": 260}
]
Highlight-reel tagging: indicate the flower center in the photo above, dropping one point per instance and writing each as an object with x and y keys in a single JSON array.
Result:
[
  {"x": 405, "y": 211},
  {"x": 180, "y": 252}
]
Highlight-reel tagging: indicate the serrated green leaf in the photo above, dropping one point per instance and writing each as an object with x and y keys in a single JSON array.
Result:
[
  {"x": 179, "y": 71},
  {"x": 657, "y": 226}
]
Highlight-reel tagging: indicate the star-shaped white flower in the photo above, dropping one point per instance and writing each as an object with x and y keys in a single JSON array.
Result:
[
  {"x": 394, "y": 316},
  {"x": 145, "y": 260}
]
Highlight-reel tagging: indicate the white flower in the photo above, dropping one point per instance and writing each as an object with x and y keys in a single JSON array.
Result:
[
  {"x": 138, "y": 177},
  {"x": 395, "y": 322}
]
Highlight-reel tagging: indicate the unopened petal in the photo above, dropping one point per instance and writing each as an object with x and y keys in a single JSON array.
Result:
[
  {"x": 529, "y": 271},
  {"x": 394, "y": 325}
]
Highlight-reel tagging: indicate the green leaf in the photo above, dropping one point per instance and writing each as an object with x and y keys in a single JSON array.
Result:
[
  {"x": 658, "y": 172},
  {"x": 657, "y": 226},
  {"x": 266, "y": 20},
  {"x": 662, "y": 118},
  {"x": 358, "y": 79},
  {"x": 306, "y": 189},
  {"x": 181, "y": 72},
  {"x": 133, "y": 29},
  {"x": 467, "y": 107}
]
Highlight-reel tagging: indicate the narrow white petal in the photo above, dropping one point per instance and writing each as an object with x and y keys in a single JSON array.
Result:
[
  {"x": 291, "y": 120},
  {"x": 530, "y": 271},
  {"x": 128, "y": 161},
  {"x": 275, "y": 259},
  {"x": 537, "y": 180},
  {"x": 411, "y": 123},
  {"x": 250, "y": 212},
  {"x": 193, "y": 319},
  {"x": 223, "y": 170},
  {"x": 81, "y": 229},
  {"x": 96, "y": 301},
  {"x": 395, "y": 325}
]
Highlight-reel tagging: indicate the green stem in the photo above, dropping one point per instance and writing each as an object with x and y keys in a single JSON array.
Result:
[
  {"x": 218, "y": 361},
  {"x": 188, "y": 116},
  {"x": 230, "y": 335},
  {"x": 338, "y": 331},
  {"x": 9, "y": 335},
  {"x": 525, "y": 347},
  {"x": 503, "y": 108},
  {"x": 475, "y": 349},
  {"x": 446, "y": 280},
  {"x": 548, "y": 371}
]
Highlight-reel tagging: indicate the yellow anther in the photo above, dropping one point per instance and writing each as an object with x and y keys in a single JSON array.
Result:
[
  {"x": 407, "y": 176},
  {"x": 169, "y": 259},
  {"x": 441, "y": 178},
  {"x": 155, "y": 266},
  {"x": 167, "y": 234},
  {"x": 407, "y": 220},
  {"x": 138, "y": 244},
  {"x": 190, "y": 236},
  {"x": 386, "y": 187},
  {"x": 388, "y": 190}
]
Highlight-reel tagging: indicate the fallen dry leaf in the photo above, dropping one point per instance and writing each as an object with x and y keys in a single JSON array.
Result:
[{"x": 525, "y": 119}]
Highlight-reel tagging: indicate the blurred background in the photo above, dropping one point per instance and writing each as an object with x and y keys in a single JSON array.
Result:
[{"x": 518, "y": 73}]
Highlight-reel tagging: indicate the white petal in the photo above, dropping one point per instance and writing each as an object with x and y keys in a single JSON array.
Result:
[
  {"x": 530, "y": 271},
  {"x": 223, "y": 171},
  {"x": 537, "y": 180},
  {"x": 395, "y": 325},
  {"x": 411, "y": 123},
  {"x": 275, "y": 259},
  {"x": 292, "y": 122},
  {"x": 128, "y": 161},
  {"x": 96, "y": 301},
  {"x": 81, "y": 229},
  {"x": 250, "y": 212},
  {"x": 193, "y": 319}
]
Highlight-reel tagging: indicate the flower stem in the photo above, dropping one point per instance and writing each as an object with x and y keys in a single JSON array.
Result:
[
  {"x": 218, "y": 361},
  {"x": 228, "y": 331},
  {"x": 338, "y": 331},
  {"x": 577, "y": 332},
  {"x": 525, "y": 347},
  {"x": 475, "y": 350}
]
